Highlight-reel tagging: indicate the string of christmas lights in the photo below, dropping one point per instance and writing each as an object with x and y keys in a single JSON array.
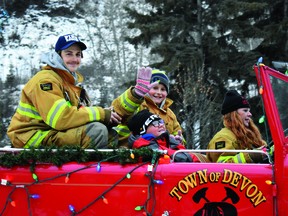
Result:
[
  {"x": 102, "y": 196},
  {"x": 122, "y": 156}
]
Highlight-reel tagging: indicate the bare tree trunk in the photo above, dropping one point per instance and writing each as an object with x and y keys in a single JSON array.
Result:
[
  {"x": 199, "y": 21},
  {"x": 197, "y": 104},
  {"x": 285, "y": 18}
]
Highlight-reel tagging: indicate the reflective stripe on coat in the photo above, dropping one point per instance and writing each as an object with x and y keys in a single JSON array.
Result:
[{"x": 43, "y": 109}]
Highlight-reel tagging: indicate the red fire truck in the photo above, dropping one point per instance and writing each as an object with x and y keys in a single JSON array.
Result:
[{"x": 158, "y": 186}]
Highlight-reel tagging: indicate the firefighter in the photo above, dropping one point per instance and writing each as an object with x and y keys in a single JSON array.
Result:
[
  {"x": 148, "y": 130},
  {"x": 150, "y": 92},
  {"x": 239, "y": 132},
  {"x": 54, "y": 107}
]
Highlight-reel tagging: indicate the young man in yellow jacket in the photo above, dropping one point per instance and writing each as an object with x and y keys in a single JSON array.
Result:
[{"x": 55, "y": 109}]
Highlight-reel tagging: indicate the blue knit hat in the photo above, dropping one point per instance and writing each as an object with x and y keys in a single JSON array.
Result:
[
  {"x": 68, "y": 40},
  {"x": 162, "y": 77}
]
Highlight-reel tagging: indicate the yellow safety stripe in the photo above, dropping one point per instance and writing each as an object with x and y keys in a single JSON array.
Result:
[
  {"x": 28, "y": 110},
  {"x": 36, "y": 139},
  {"x": 128, "y": 104},
  {"x": 158, "y": 71},
  {"x": 94, "y": 114},
  {"x": 55, "y": 112},
  {"x": 239, "y": 158},
  {"x": 122, "y": 130}
]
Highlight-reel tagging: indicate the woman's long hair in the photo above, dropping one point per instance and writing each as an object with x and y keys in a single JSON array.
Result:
[{"x": 247, "y": 137}]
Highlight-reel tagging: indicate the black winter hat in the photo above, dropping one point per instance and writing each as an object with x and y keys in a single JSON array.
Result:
[
  {"x": 140, "y": 121},
  {"x": 233, "y": 101}
]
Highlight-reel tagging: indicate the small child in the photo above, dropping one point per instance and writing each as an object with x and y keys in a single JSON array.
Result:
[
  {"x": 150, "y": 92},
  {"x": 148, "y": 130}
]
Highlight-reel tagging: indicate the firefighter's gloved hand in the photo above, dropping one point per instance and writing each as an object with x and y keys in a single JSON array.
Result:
[
  {"x": 178, "y": 137},
  {"x": 183, "y": 157},
  {"x": 259, "y": 157},
  {"x": 143, "y": 85}
]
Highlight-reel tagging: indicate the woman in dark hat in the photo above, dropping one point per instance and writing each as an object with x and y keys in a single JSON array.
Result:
[
  {"x": 239, "y": 132},
  {"x": 54, "y": 108}
]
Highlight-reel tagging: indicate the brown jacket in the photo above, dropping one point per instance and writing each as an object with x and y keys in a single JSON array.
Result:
[{"x": 127, "y": 104}]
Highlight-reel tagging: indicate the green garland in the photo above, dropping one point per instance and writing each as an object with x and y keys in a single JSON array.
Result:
[{"x": 59, "y": 156}]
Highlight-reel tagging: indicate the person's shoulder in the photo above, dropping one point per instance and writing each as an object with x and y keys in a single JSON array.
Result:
[
  {"x": 226, "y": 130},
  {"x": 169, "y": 101},
  {"x": 171, "y": 114},
  {"x": 225, "y": 133},
  {"x": 45, "y": 75}
]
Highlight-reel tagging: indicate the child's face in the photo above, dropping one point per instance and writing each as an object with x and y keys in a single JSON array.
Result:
[
  {"x": 156, "y": 128},
  {"x": 158, "y": 93}
]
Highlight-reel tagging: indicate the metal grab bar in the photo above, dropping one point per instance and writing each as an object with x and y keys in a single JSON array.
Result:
[{"x": 222, "y": 151}]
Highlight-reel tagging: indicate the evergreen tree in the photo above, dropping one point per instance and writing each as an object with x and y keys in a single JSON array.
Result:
[
  {"x": 11, "y": 80},
  {"x": 274, "y": 46},
  {"x": 112, "y": 56},
  {"x": 225, "y": 36}
]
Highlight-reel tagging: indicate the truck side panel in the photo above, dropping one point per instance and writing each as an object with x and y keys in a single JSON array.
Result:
[{"x": 176, "y": 189}]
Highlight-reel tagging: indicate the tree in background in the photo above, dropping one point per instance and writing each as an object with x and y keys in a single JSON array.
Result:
[
  {"x": 114, "y": 61},
  {"x": 3, "y": 20},
  {"x": 9, "y": 91},
  {"x": 113, "y": 57},
  {"x": 275, "y": 28},
  {"x": 197, "y": 106},
  {"x": 224, "y": 36}
]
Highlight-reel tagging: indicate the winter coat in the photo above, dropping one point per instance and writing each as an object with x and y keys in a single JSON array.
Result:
[
  {"x": 162, "y": 142},
  {"x": 128, "y": 103},
  {"x": 226, "y": 139},
  {"x": 52, "y": 100}
]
